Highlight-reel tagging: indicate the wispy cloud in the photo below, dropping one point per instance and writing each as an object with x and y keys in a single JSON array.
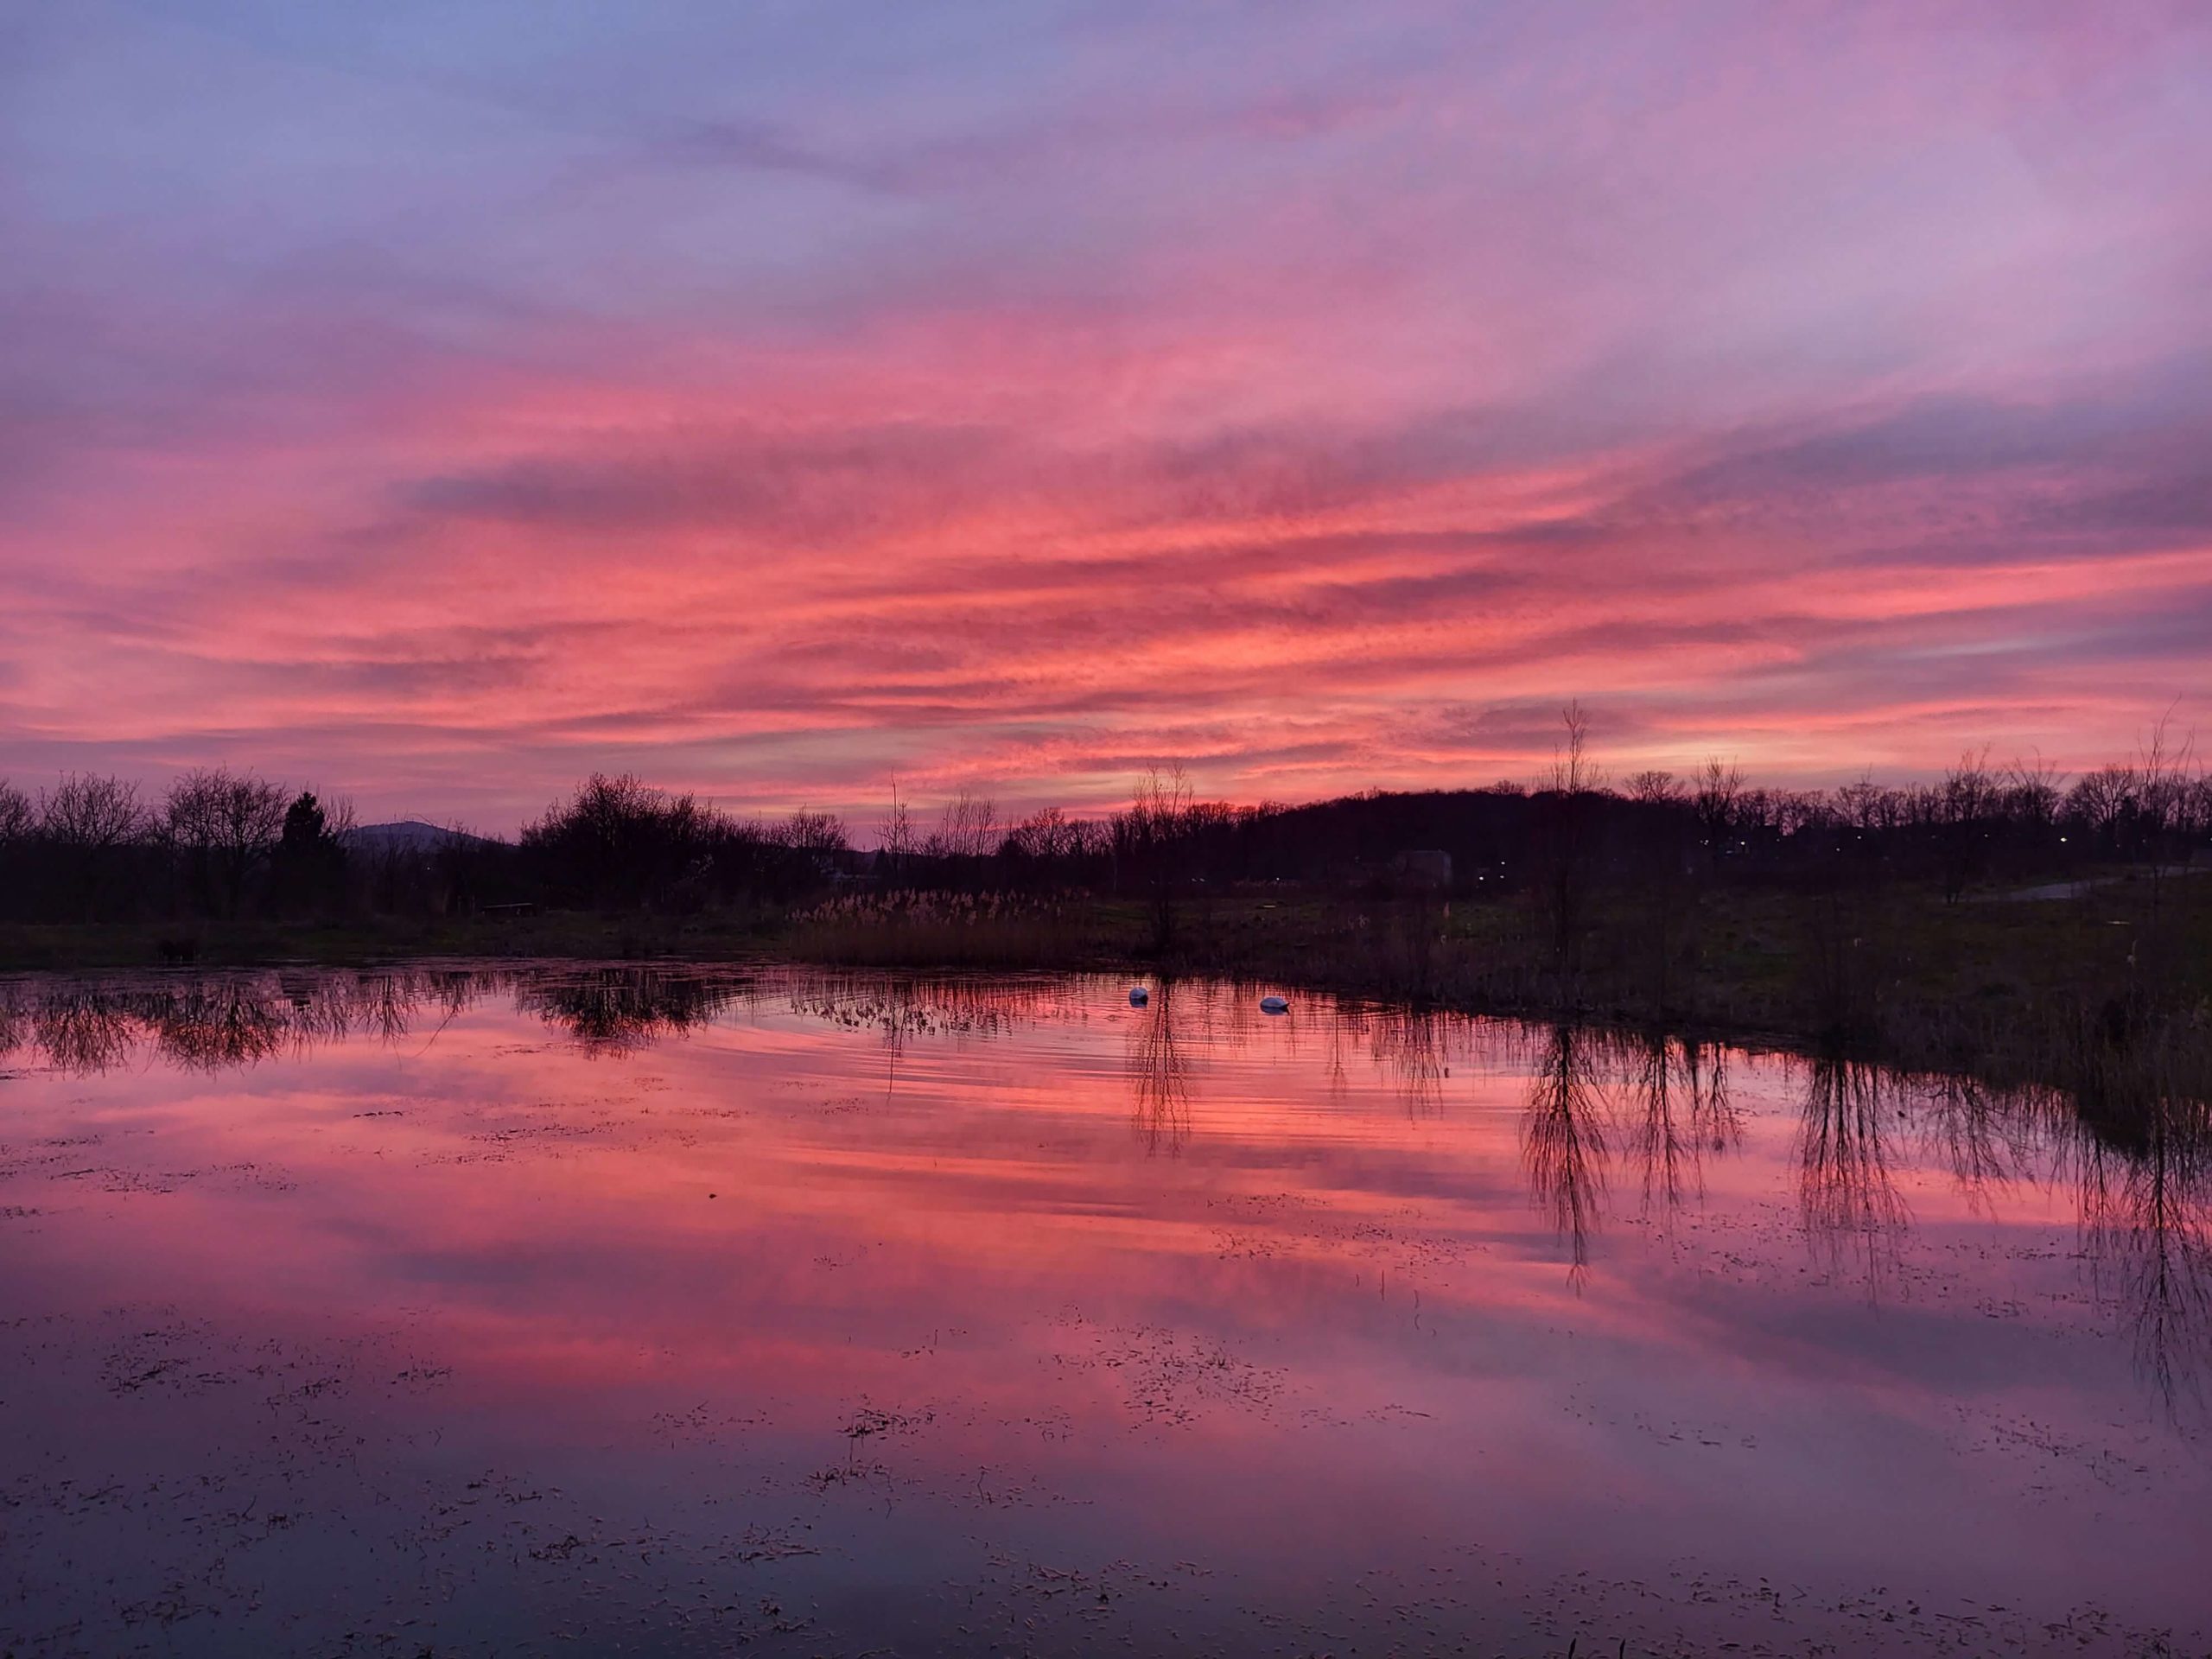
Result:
[{"x": 1317, "y": 397}]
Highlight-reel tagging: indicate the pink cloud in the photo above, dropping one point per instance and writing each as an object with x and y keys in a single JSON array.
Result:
[{"x": 1825, "y": 390}]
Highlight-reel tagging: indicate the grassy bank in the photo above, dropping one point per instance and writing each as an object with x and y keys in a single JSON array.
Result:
[
  {"x": 2017, "y": 991},
  {"x": 2014, "y": 991},
  {"x": 718, "y": 937}
]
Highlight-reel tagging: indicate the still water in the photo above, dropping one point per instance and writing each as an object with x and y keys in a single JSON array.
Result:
[{"x": 667, "y": 1310}]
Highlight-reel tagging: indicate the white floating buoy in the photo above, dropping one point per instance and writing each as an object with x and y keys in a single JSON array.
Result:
[
  {"x": 1274, "y": 1005},
  {"x": 1138, "y": 996}
]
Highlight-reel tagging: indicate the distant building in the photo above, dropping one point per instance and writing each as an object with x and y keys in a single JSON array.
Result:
[
  {"x": 1424, "y": 869},
  {"x": 851, "y": 866}
]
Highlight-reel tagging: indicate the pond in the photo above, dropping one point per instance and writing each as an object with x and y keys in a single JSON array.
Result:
[{"x": 664, "y": 1310}]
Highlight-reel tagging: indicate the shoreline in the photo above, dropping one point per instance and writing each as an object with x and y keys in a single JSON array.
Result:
[{"x": 2052, "y": 994}]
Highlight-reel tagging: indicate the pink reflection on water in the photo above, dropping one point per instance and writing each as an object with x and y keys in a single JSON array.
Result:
[{"x": 908, "y": 1283}]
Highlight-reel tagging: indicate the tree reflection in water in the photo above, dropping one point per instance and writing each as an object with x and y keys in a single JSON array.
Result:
[
  {"x": 1338, "y": 1038},
  {"x": 1408, "y": 1044},
  {"x": 215, "y": 1024},
  {"x": 1563, "y": 1142},
  {"x": 1683, "y": 1113},
  {"x": 1714, "y": 1118},
  {"x": 1846, "y": 1191},
  {"x": 1985, "y": 1140},
  {"x": 618, "y": 1010},
  {"x": 1160, "y": 1073},
  {"x": 904, "y": 1005},
  {"x": 2143, "y": 1163},
  {"x": 90, "y": 1030},
  {"x": 15, "y": 1026},
  {"x": 2131, "y": 1146}
]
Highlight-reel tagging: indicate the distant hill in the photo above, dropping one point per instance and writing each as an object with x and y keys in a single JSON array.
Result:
[{"x": 407, "y": 836}]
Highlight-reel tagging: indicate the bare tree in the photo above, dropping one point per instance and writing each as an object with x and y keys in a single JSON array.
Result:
[
  {"x": 2197, "y": 807},
  {"x": 1573, "y": 772},
  {"x": 85, "y": 810},
  {"x": 1049, "y": 835},
  {"x": 2103, "y": 802},
  {"x": 18, "y": 825},
  {"x": 820, "y": 833},
  {"x": 1858, "y": 804},
  {"x": 2033, "y": 790},
  {"x": 1567, "y": 854},
  {"x": 18, "y": 818},
  {"x": 620, "y": 841},
  {"x": 1152, "y": 832},
  {"x": 2163, "y": 769},
  {"x": 968, "y": 828},
  {"x": 1719, "y": 791},
  {"x": 1794, "y": 812},
  {"x": 226, "y": 825},
  {"x": 1964, "y": 805},
  {"x": 1666, "y": 903},
  {"x": 895, "y": 837},
  {"x": 89, "y": 820}
]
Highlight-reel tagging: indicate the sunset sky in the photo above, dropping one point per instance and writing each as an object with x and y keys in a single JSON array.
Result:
[{"x": 434, "y": 402}]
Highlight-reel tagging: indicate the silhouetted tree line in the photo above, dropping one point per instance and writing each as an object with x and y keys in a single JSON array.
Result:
[
  {"x": 619, "y": 844},
  {"x": 225, "y": 845},
  {"x": 219, "y": 844},
  {"x": 1976, "y": 823},
  {"x": 1659, "y": 830}
]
